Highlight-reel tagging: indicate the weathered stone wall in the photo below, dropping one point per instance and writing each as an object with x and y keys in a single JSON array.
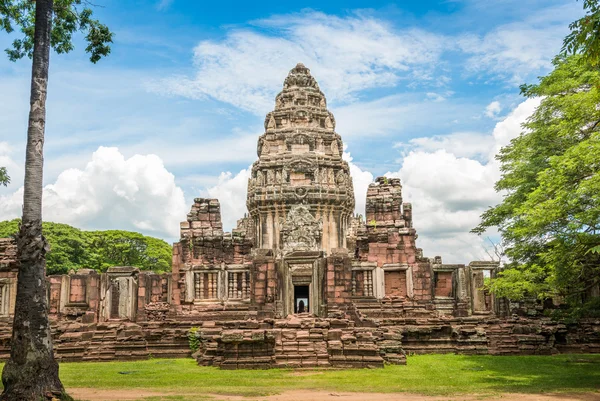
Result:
[
  {"x": 8, "y": 278},
  {"x": 309, "y": 342},
  {"x": 298, "y": 342},
  {"x": 203, "y": 241}
]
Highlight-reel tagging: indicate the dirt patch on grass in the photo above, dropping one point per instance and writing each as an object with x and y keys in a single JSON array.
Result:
[
  {"x": 89, "y": 394},
  {"x": 95, "y": 394},
  {"x": 307, "y": 373},
  {"x": 331, "y": 396}
]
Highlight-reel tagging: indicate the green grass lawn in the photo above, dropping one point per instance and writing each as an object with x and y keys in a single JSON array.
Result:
[{"x": 424, "y": 374}]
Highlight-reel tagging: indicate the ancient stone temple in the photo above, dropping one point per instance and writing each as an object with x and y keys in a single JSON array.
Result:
[
  {"x": 301, "y": 247},
  {"x": 301, "y": 281}
]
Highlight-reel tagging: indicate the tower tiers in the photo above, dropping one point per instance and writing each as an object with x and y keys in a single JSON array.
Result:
[{"x": 300, "y": 193}]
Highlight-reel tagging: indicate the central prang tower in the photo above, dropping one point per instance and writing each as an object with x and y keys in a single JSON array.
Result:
[{"x": 300, "y": 193}]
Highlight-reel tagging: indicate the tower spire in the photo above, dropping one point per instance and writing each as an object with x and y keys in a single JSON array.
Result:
[{"x": 300, "y": 165}]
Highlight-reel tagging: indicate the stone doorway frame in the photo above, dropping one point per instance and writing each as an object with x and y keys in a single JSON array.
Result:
[
  {"x": 303, "y": 268},
  {"x": 118, "y": 275}
]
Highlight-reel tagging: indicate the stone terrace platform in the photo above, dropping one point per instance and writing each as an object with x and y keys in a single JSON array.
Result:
[{"x": 303, "y": 341}]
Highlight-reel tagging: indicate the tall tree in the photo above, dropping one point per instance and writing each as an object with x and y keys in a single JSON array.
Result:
[
  {"x": 32, "y": 372},
  {"x": 4, "y": 178},
  {"x": 585, "y": 34},
  {"x": 550, "y": 216}
]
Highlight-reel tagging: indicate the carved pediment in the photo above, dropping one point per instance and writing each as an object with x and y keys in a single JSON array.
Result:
[
  {"x": 300, "y": 230},
  {"x": 300, "y": 139},
  {"x": 300, "y": 165}
]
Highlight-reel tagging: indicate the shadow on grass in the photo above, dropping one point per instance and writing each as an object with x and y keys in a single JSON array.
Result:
[{"x": 536, "y": 374}]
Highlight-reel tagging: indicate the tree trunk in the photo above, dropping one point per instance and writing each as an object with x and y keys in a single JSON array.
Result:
[{"x": 32, "y": 373}]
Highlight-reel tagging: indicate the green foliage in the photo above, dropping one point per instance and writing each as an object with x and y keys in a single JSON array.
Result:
[
  {"x": 71, "y": 248},
  {"x": 550, "y": 215},
  {"x": 585, "y": 34},
  {"x": 194, "y": 339},
  {"x": 69, "y": 17},
  {"x": 4, "y": 178}
]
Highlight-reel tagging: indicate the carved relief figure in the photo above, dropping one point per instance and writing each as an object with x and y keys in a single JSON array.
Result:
[
  {"x": 328, "y": 123},
  {"x": 265, "y": 149},
  {"x": 334, "y": 148},
  {"x": 323, "y": 176},
  {"x": 301, "y": 231},
  {"x": 319, "y": 145},
  {"x": 340, "y": 178}
]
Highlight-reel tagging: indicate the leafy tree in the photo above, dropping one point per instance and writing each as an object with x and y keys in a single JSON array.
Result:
[
  {"x": 4, "y": 178},
  {"x": 71, "y": 248},
  {"x": 32, "y": 373},
  {"x": 585, "y": 34},
  {"x": 124, "y": 248},
  {"x": 550, "y": 216}
]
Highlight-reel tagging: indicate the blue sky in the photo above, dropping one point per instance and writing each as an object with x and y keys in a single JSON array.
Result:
[{"x": 427, "y": 91}]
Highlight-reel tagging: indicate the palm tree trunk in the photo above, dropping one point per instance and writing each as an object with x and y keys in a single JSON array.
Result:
[{"x": 32, "y": 372}]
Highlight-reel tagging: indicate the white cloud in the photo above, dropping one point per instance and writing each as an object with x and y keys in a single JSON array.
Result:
[
  {"x": 460, "y": 144},
  {"x": 493, "y": 109},
  {"x": 510, "y": 127},
  {"x": 163, "y": 4},
  {"x": 346, "y": 55},
  {"x": 231, "y": 192},
  {"x": 111, "y": 192},
  {"x": 397, "y": 114},
  {"x": 14, "y": 170},
  {"x": 439, "y": 97},
  {"x": 450, "y": 189},
  {"x": 360, "y": 180},
  {"x": 517, "y": 50}
]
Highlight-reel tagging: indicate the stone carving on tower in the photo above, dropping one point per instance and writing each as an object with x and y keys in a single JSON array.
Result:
[
  {"x": 300, "y": 163},
  {"x": 300, "y": 231}
]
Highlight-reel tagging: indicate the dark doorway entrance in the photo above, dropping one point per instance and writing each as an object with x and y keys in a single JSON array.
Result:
[
  {"x": 115, "y": 296},
  {"x": 301, "y": 297}
]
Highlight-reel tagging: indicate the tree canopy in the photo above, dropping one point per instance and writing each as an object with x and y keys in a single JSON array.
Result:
[
  {"x": 585, "y": 34},
  {"x": 69, "y": 17},
  {"x": 4, "y": 178},
  {"x": 550, "y": 215},
  {"x": 72, "y": 248}
]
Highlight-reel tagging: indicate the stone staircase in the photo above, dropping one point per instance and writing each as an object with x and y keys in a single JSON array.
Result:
[{"x": 299, "y": 341}]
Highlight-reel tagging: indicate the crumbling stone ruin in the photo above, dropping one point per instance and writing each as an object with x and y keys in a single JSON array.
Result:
[{"x": 300, "y": 282}]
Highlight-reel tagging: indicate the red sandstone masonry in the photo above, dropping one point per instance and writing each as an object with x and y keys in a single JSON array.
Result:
[{"x": 372, "y": 291}]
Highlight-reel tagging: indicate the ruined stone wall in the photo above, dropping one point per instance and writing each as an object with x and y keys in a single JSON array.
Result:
[
  {"x": 210, "y": 266},
  {"x": 8, "y": 277},
  {"x": 297, "y": 342},
  {"x": 338, "y": 285},
  {"x": 300, "y": 341},
  {"x": 387, "y": 239},
  {"x": 309, "y": 342},
  {"x": 203, "y": 241}
]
